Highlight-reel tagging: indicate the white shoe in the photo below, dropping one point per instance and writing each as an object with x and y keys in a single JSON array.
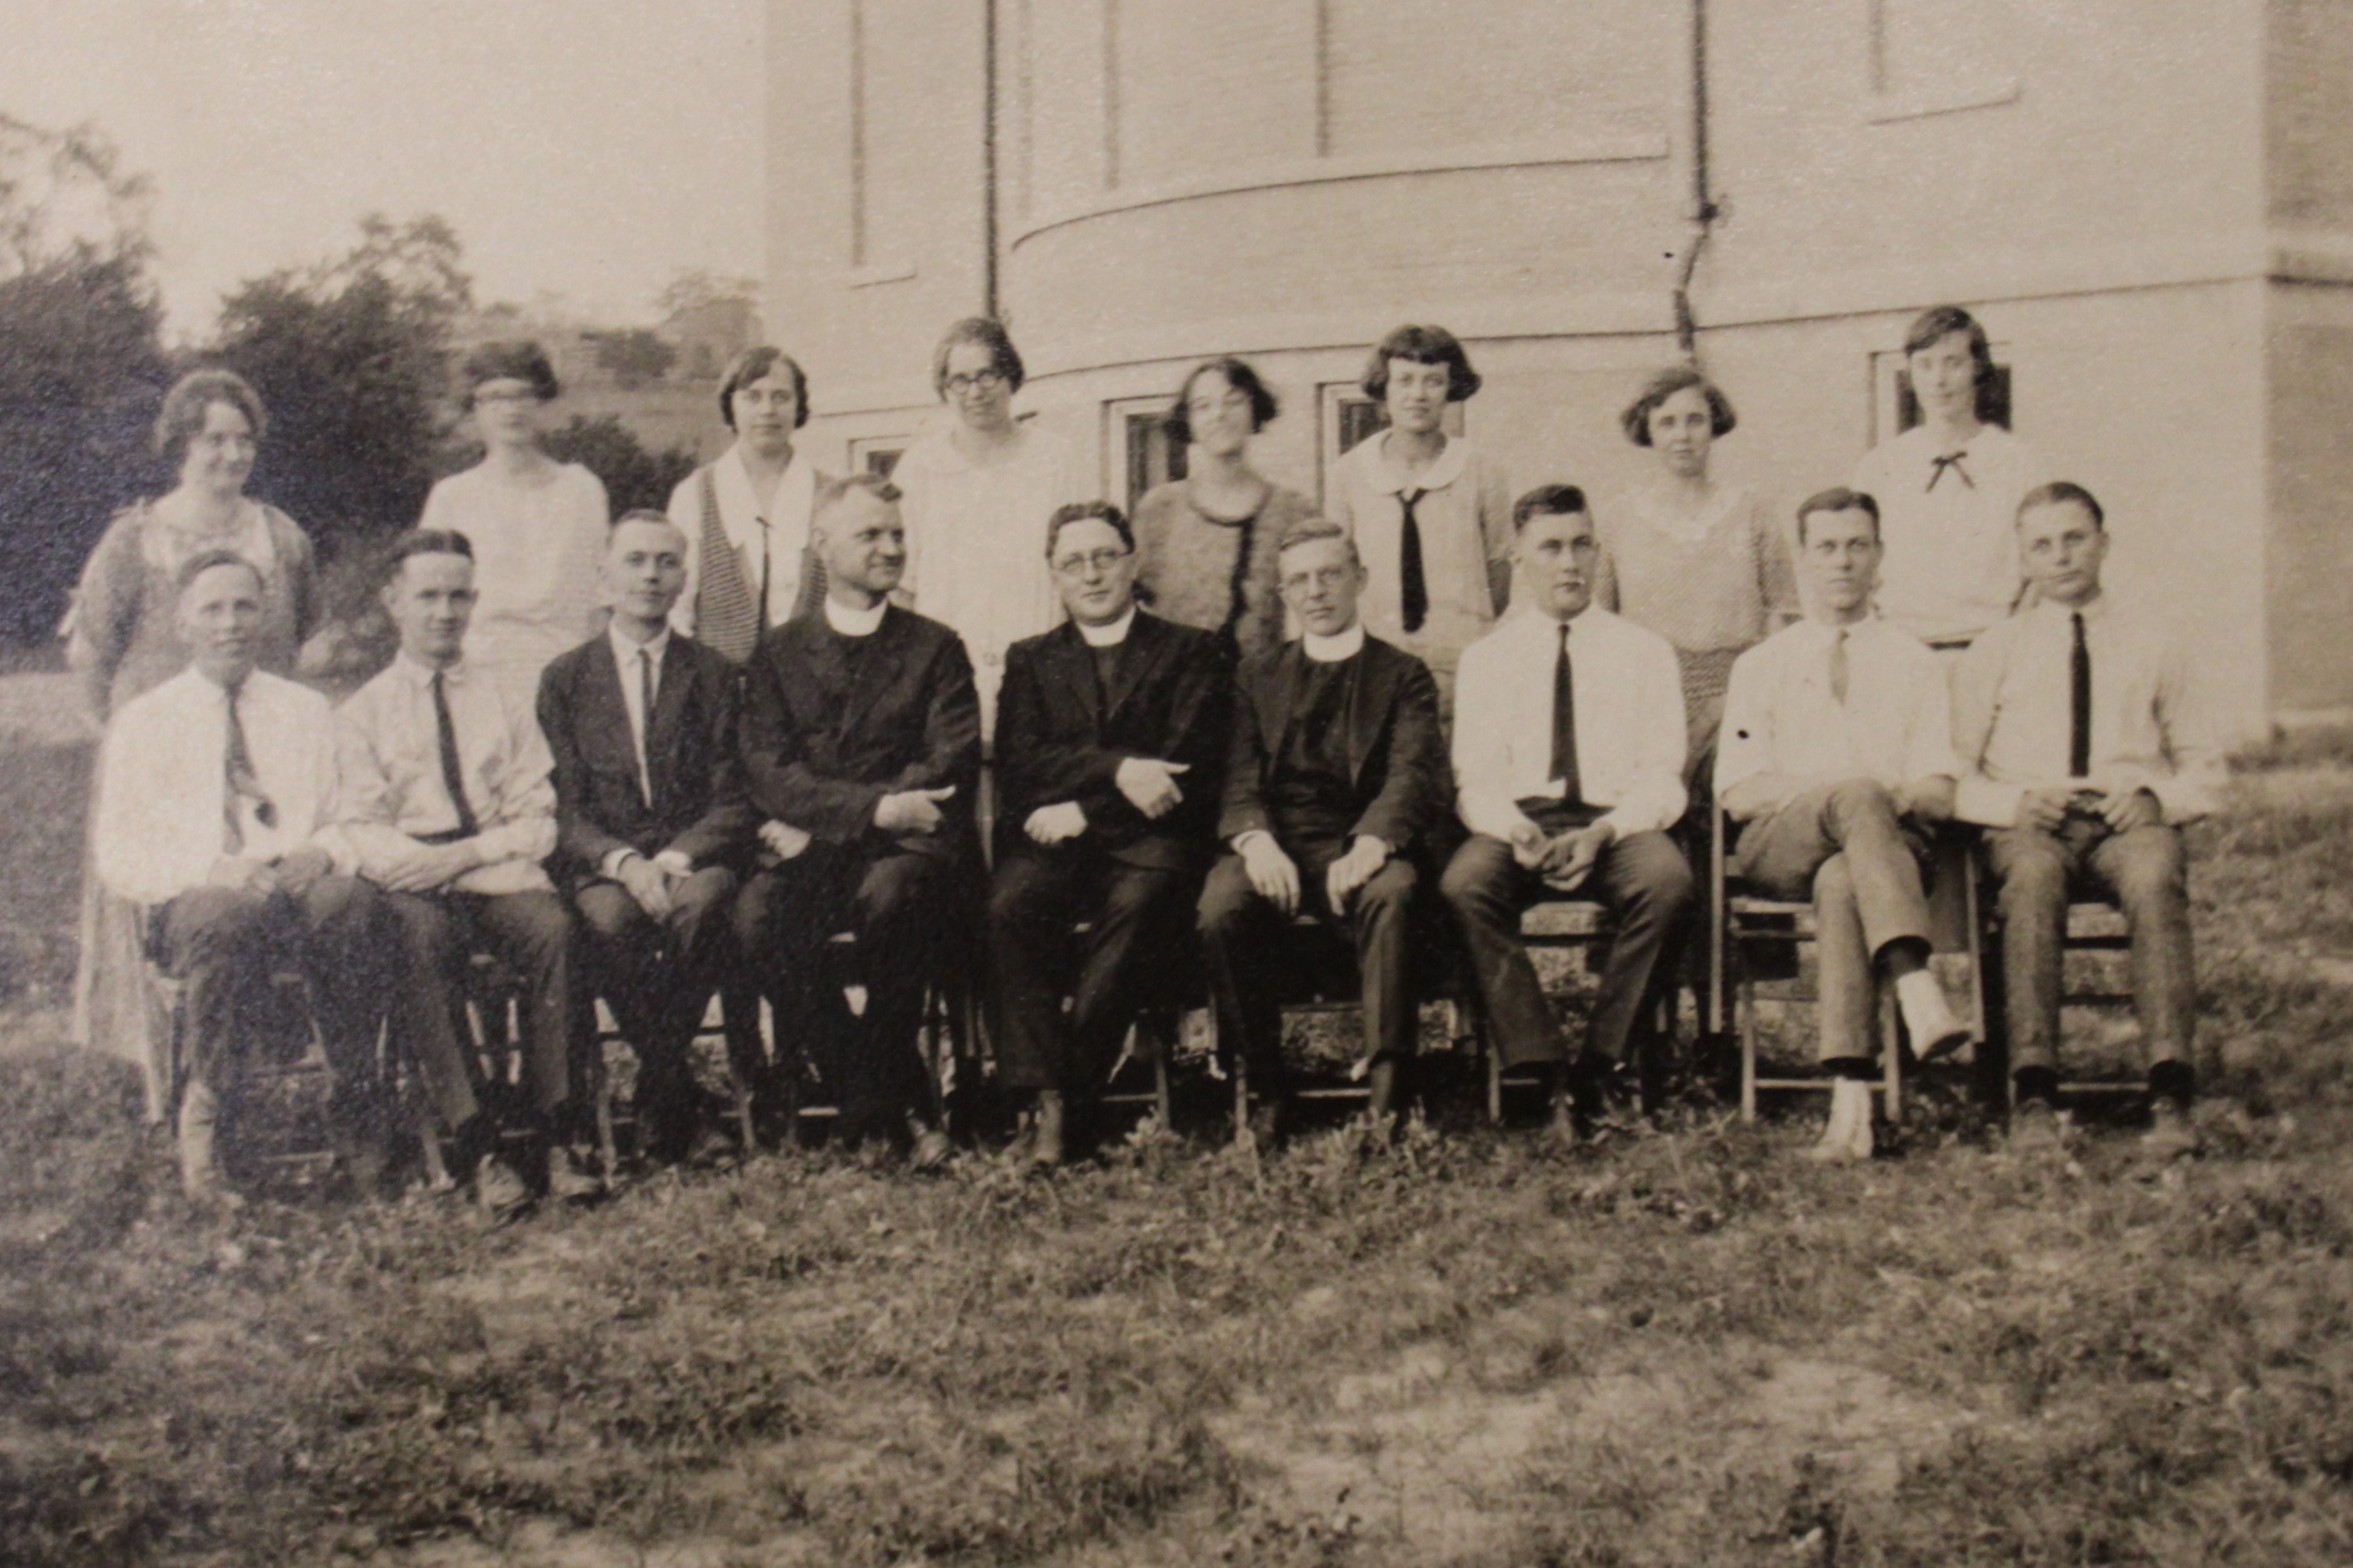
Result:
[
  {"x": 1930, "y": 1018},
  {"x": 1847, "y": 1138}
]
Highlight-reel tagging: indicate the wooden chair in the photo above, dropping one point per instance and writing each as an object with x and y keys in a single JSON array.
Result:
[{"x": 2094, "y": 926}]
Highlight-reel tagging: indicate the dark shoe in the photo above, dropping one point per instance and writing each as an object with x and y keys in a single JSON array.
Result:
[
  {"x": 2170, "y": 1134},
  {"x": 931, "y": 1151},
  {"x": 1607, "y": 1097},
  {"x": 2035, "y": 1129},
  {"x": 1048, "y": 1131}
]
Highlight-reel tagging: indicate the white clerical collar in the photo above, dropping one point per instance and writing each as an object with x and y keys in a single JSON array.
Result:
[
  {"x": 855, "y": 622},
  {"x": 626, "y": 649},
  {"x": 1109, "y": 636},
  {"x": 1336, "y": 647}
]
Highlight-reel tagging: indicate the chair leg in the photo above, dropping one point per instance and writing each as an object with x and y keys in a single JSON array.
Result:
[
  {"x": 1745, "y": 1006},
  {"x": 1494, "y": 1086},
  {"x": 1160, "y": 1097},
  {"x": 1890, "y": 1053}
]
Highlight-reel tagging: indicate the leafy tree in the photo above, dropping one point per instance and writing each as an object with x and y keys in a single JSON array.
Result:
[
  {"x": 608, "y": 449},
  {"x": 351, "y": 359},
  {"x": 693, "y": 287},
  {"x": 635, "y": 356},
  {"x": 81, "y": 362}
]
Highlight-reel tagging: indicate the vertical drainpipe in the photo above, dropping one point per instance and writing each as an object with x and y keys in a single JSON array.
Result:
[
  {"x": 1704, "y": 210},
  {"x": 988, "y": 302}
]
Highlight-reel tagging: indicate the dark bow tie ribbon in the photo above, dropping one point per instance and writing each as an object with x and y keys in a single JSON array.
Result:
[{"x": 1950, "y": 460}]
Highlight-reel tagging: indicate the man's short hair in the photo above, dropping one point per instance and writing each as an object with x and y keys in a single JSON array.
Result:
[
  {"x": 1934, "y": 325},
  {"x": 1837, "y": 498},
  {"x": 1636, "y": 420},
  {"x": 182, "y": 416},
  {"x": 641, "y": 514},
  {"x": 1242, "y": 377},
  {"x": 1420, "y": 345},
  {"x": 990, "y": 334},
  {"x": 1088, "y": 512},
  {"x": 755, "y": 365},
  {"x": 1546, "y": 500},
  {"x": 424, "y": 541},
  {"x": 511, "y": 359},
  {"x": 1315, "y": 530},
  {"x": 204, "y": 561},
  {"x": 2059, "y": 491},
  {"x": 831, "y": 489}
]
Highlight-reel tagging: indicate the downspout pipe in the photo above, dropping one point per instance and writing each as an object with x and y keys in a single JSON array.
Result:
[
  {"x": 988, "y": 129},
  {"x": 1704, "y": 208}
]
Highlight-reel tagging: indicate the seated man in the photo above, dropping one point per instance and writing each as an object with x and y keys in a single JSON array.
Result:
[
  {"x": 214, "y": 789},
  {"x": 861, "y": 750},
  {"x": 1568, "y": 758},
  {"x": 650, "y": 818},
  {"x": 1110, "y": 730},
  {"x": 1336, "y": 783},
  {"x": 447, "y": 804},
  {"x": 1837, "y": 753},
  {"x": 2085, "y": 752}
]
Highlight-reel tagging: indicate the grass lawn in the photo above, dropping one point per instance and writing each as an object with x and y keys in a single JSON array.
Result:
[{"x": 1685, "y": 1348}]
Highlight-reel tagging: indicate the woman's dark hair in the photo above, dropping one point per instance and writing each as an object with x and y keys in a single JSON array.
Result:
[
  {"x": 1420, "y": 345},
  {"x": 182, "y": 416},
  {"x": 1546, "y": 500},
  {"x": 754, "y": 364},
  {"x": 1665, "y": 384},
  {"x": 990, "y": 334},
  {"x": 1088, "y": 512},
  {"x": 1837, "y": 498},
  {"x": 1240, "y": 377},
  {"x": 514, "y": 359},
  {"x": 2058, "y": 493},
  {"x": 1938, "y": 322}
]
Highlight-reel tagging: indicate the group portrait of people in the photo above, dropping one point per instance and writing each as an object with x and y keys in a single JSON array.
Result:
[{"x": 834, "y": 746}]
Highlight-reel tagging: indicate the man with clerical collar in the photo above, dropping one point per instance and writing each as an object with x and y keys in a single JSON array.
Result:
[
  {"x": 214, "y": 790},
  {"x": 1337, "y": 783},
  {"x": 653, "y": 825},
  {"x": 1836, "y": 752},
  {"x": 1110, "y": 732},
  {"x": 1568, "y": 758},
  {"x": 861, "y": 752},
  {"x": 2086, "y": 744},
  {"x": 447, "y": 802}
]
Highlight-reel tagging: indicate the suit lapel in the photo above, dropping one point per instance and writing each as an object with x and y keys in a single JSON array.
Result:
[
  {"x": 603, "y": 705},
  {"x": 1274, "y": 702},
  {"x": 674, "y": 688},
  {"x": 1134, "y": 662},
  {"x": 1368, "y": 709}
]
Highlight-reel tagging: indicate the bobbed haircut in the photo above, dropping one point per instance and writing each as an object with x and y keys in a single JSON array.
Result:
[
  {"x": 1240, "y": 377},
  {"x": 1636, "y": 420},
  {"x": 510, "y": 359},
  {"x": 182, "y": 415},
  {"x": 2058, "y": 493},
  {"x": 990, "y": 334},
  {"x": 754, "y": 364},
  {"x": 1420, "y": 345},
  {"x": 1315, "y": 530},
  {"x": 1088, "y": 512},
  {"x": 1837, "y": 498},
  {"x": 1546, "y": 500},
  {"x": 424, "y": 541},
  {"x": 832, "y": 490},
  {"x": 204, "y": 561},
  {"x": 1932, "y": 325}
]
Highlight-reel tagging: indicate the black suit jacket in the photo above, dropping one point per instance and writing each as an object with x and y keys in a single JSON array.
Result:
[
  {"x": 699, "y": 806},
  {"x": 1059, "y": 738},
  {"x": 1398, "y": 765},
  {"x": 820, "y": 750}
]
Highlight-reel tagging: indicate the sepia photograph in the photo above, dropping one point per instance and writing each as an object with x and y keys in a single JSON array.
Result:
[{"x": 1108, "y": 784}]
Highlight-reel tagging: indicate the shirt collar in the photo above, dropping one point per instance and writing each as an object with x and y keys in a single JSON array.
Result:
[
  {"x": 1336, "y": 647},
  {"x": 1111, "y": 636},
  {"x": 852, "y": 623},
  {"x": 624, "y": 651},
  {"x": 1392, "y": 479},
  {"x": 2093, "y": 611},
  {"x": 419, "y": 673}
]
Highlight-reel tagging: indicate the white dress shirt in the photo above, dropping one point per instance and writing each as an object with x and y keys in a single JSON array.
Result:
[
  {"x": 388, "y": 782},
  {"x": 2152, "y": 727},
  {"x": 852, "y": 622},
  {"x": 1338, "y": 648},
  {"x": 1630, "y": 722},
  {"x": 1951, "y": 564},
  {"x": 1782, "y": 717},
  {"x": 162, "y": 782},
  {"x": 740, "y": 517}
]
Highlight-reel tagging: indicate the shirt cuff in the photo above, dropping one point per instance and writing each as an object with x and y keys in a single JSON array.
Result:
[
  {"x": 676, "y": 862},
  {"x": 1240, "y": 840},
  {"x": 610, "y": 865}
]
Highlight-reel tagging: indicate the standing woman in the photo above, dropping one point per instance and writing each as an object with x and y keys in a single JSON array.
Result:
[
  {"x": 745, "y": 514},
  {"x": 975, "y": 500},
  {"x": 1703, "y": 564},
  {"x": 122, "y": 639},
  {"x": 1205, "y": 544},
  {"x": 537, "y": 526},
  {"x": 1430, "y": 512}
]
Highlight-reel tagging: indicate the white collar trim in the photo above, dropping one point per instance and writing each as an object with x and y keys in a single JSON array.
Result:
[
  {"x": 852, "y": 623},
  {"x": 1110, "y": 636},
  {"x": 1338, "y": 647}
]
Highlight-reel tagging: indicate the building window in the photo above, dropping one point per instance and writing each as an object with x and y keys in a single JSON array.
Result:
[
  {"x": 1134, "y": 438},
  {"x": 1933, "y": 57},
  {"x": 1349, "y": 417},
  {"x": 1896, "y": 408},
  {"x": 877, "y": 455}
]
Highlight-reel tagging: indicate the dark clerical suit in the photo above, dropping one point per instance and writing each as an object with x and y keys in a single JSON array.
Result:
[
  {"x": 831, "y": 724},
  {"x": 1324, "y": 753},
  {"x": 682, "y": 798},
  {"x": 1068, "y": 715}
]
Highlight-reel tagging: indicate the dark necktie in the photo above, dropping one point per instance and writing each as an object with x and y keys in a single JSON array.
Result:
[
  {"x": 1563, "y": 724},
  {"x": 1950, "y": 460},
  {"x": 767, "y": 536},
  {"x": 241, "y": 783},
  {"x": 1413, "y": 588},
  {"x": 2079, "y": 707},
  {"x": 646, "y": 722},
  {"x": 453, "y": 778}
]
